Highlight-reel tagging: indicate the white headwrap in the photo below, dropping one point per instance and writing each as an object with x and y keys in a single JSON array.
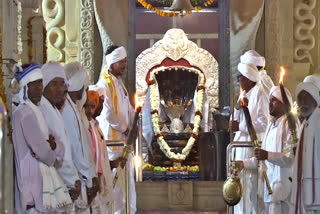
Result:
[
  {"x": 115, "y": 56},
  {"x": 276, "y": 92},
  {"x": 310, "y": 84},
  {"x": 54, "y": 192},
  {"x": 250, "y": 71},
  {"x": 252, "y": 57},
  {"x": 76, "y": 75},
  {"x": 25, "y": 76},
  {"x": 98, "y": 89},
  {"x": 51, "y": 70}
]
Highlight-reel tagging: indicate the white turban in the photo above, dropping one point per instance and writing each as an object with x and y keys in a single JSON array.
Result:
[
  {"x": 310, "y": 84},
  {"x": 252, "y": 57},
  {"x": 98, "y": 89},
  {"x": 25, "y": 76},
  {"x": 76, "y": 75},
  {"x": 115, "y": 56},
  {"x": 276, "y": 92},
  {"x": 51, "y": 70},
  {"x": 250, "y": 71}
]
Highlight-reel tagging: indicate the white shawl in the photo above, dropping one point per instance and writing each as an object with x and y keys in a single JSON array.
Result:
[{"x": 55, "y": 194}]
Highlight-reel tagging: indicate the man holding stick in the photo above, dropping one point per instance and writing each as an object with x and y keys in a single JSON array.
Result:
[{"x": 276, "y": 151}]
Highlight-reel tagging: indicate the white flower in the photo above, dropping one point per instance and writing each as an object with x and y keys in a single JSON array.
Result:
[{"x": 155, "y": 120}]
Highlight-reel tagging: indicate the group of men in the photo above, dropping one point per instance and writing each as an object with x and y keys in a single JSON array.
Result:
[
  {"x": 60, "y": 129},
  {"x": 292, "y": 168}
]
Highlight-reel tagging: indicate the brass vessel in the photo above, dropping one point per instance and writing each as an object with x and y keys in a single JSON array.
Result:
[{"x": 232, "y": 190}]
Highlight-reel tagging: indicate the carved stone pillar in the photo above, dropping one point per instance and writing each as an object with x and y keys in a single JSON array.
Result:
[
  {"x": 72, "y": 29},
  {"x": 33, "y": 41},
  {"x": 53, "y": 14},
  {"x": 86, "y": 46},
  {"x": 10, "y": 14},
  {"x": 279, "y": 39}
]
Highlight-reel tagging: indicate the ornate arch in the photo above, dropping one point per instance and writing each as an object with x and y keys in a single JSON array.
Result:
[{"x": 175, "y": 46}]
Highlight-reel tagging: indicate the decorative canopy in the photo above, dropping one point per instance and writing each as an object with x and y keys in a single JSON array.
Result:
[{"x": 176, "y": 49}]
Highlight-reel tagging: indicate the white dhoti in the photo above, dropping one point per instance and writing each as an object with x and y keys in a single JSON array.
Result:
[{"x": 119, "y": 204}]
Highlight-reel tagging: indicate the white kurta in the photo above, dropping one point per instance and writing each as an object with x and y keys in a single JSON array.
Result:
[
  {"x": 310, "y": 187},
  {"x": 108, "y": 120},
  {"x": 280, "y": 158},
  {"x": 258, "y": 106}
]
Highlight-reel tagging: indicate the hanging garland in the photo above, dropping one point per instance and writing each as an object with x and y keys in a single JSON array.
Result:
[
  {"x": 148, "y": 6},
  {"x": 155, "y": 120}
]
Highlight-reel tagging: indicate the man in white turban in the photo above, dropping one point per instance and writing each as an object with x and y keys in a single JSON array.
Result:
[
  {"x": 78, "y": 134},
  {"x": 252, "y": 57},
  {"x": 39, "y": 188},
  {"x": 256, "y": 100},
  {"x": 276, "y": 156},
  {"x": 55, "y": 85},
  {"x": 115, "y": 121},
  {"x": 305, "y": 195}
]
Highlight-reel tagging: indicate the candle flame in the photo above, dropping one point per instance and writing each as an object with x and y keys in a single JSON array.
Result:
[
  {"x": 283, "y": 72},
  {"x": 138, "y": 102}
]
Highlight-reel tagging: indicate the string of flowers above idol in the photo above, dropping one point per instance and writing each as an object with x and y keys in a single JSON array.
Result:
[{"x": 155, "y": 119}]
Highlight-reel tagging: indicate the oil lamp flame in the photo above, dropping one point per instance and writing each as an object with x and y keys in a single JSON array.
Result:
[
  {"x": 138, "y": 103},
  {"x": 294, "y": 110},
  {"x": 241, "y": 97},
  {"x": 283, "y": 72}
]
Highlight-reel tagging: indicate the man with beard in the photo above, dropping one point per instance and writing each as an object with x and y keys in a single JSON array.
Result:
[
  {"x": 78, "y": 135},
  {"x": 256, "y": 99},
  {"x": 55, "y": 85},
  {"x": 115, "y": 119},
  {"x": 276, "y": 156},
  {"x": 39, "y": 188},
  {"x": 305, "y": 195}
]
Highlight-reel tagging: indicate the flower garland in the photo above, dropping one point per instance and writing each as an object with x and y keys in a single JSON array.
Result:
[
  {"x": 19, "y": 27},
  {"x": 155, "y": 120},
  {"x": 148, "y": 6}
]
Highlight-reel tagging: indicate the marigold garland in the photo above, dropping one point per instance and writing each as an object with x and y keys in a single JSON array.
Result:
[{"x": 148, "y": 6}]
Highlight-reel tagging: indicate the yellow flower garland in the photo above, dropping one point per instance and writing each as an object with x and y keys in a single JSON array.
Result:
[{"x": 148, "y": 6}]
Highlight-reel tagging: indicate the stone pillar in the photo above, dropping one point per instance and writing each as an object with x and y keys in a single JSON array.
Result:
[
  {"x": 33, "y": 43},
  {"x": 113, "y": 32},
  {"x": 10, "y": 14},
  {"x": 280, "y": 43},
  {"x": 86, "y": 46},
  {"x": 131, "y": 77},
  {"x": 71, "y": 20},
  {"x": 54, "y": 16}
]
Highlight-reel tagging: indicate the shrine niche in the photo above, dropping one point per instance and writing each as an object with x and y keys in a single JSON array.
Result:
[
  {"x": 179, "y": 82},
  {"x": 175, "y": 49}
]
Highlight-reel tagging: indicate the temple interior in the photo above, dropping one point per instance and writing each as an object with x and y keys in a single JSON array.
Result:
[{"x": 183, "y": 52}]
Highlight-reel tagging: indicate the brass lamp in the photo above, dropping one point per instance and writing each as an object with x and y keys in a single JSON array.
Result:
[{"x": 181, "y": 5}]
